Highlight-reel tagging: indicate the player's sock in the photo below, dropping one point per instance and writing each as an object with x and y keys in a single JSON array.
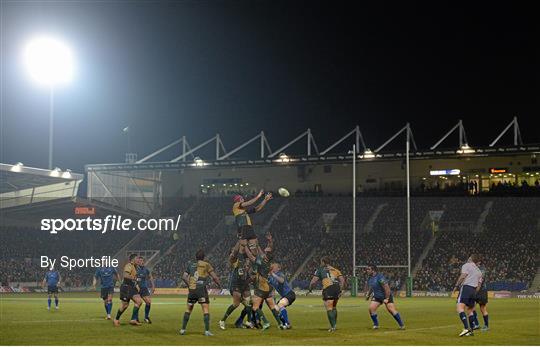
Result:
[
  {"x": 261, "y": 315},
  {"x": 486, "y": 320},
  {"x": 230, "y": 310},
  {"x": 135, "y": 313},
  {"x": 275, "y": 312},
  {"x": 106, "y": 307},
  {"x": 206, "y": 320},
  {"x": 476, "y": 322},
  {"x": 186, "y": 320},
  {"x": 334, "y": 310},
  {"x": 146, "y": 311},
  {"x": 245, "y": 312},
  {"x": 397, "y": 317},
  {"x": 471, "y": 321},
  {"x": 110, "y": 307},
  {"x": 49, "y": 302},
  {"x": 463, "y": 318},
  {"x": 331, "y": 318},
  {"x": 284, "y": 315},
  {"x": 56, "y": 302},
  {"x": 119, "y": 313},
  {"x": 374, "y": 319}
]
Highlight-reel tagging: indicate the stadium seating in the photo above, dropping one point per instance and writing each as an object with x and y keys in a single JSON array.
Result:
[{"x": 504, "y": 230}]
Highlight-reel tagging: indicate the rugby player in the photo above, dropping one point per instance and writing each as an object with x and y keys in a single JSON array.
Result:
[
  {"x": 52, "y": 279},
  {"x": 288, "y": 296},
  {"x": 144, "y": 275},
  {"x": 468, "y": 281},
  {"x": 381, "y": 294},
  {"x": 263, "y": 290},
  {"x": 196, "y": 277},
  {"x": 481, "y": 299},
  {"x": 129, "y": 290},
  {"x": 332, "y": 283},
  {"x": 107, "y": 278},
  {"x": 241, "y": 210},
  {"x": 238, "y": 287}
]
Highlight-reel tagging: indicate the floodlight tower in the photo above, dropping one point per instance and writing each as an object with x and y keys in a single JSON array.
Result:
[{"x": 50, "y": 64}]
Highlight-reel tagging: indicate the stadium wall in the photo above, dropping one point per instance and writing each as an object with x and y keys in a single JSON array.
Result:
[{"x": 335, "y": 177}]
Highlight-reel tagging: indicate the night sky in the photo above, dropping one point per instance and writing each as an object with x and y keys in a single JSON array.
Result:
[{"x": 195, "y": 68}]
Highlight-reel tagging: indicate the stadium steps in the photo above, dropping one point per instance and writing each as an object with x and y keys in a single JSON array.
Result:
[
  {"x": 369, "y": 225},
  {"x": 303, "y": 265},
  {"x": 300, "y": 269},
  {"x": 276, "y": 214},
  {"x": 160, "y": 255},
  {"x": 535, "y": 284},
  {"x": 482, "y": 218},
  {"x": 121, "y": 253},
  {"x": 424, "y": 254}
]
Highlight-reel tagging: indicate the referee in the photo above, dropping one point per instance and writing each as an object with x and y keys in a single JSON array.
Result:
[{"x": 468, "y": 281}]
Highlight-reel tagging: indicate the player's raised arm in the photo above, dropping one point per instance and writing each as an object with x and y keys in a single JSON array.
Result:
[
  {"x": 267, "y": 198},
  {"x": 250, "y": 255},
  {"x": 270, "y": 244},
  {"x": 252, "y": 201}
]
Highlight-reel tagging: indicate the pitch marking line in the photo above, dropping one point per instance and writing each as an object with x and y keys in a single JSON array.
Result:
[{"x": 56, "y": 320}]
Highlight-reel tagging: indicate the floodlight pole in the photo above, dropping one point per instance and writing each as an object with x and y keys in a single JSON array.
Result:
[
  {"x": 354, "y": 208},
  {"x": 51, "y": 125},
  {"x": 355, "y": 282},
  {"x": 409, "y": 278}
]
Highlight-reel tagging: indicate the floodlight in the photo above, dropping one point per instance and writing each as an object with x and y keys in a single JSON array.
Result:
[
  {"x": 56, "y": 172},
  {"x": 49, "y": 61},
  {"x": 17, "y": 167},
  {"x": 368, "y": 154},
  {"x": 67, "y": 174},
  {"x": 284, "y": 158}
]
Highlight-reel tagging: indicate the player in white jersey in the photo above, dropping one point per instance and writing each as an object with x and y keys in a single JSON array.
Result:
[{"x": 468, "y": 282}]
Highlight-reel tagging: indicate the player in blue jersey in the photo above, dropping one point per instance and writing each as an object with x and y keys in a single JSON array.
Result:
[
  {"x": 107, "y": 277},
  {"x": 52, "y": 280},
  {"x": 279, "y": 282},
  {"x": 144, "y": 277},
  {"x": 380, "y": 294}
]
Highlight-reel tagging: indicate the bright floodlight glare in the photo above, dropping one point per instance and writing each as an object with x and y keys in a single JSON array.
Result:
[
  {"x": 368, "y": 153},
  {"x": 49, "y": 61}
]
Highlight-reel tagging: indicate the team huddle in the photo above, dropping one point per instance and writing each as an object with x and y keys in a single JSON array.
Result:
[{"x": 255, "y": 278}]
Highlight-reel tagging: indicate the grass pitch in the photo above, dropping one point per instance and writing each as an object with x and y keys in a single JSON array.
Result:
[{"x": 24, "y": 320}]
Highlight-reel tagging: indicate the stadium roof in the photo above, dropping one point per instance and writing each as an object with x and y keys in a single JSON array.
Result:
[
  {"x": 329, "y": 154},
  {"x": 21, "y": 185},
  {"x": 18, "y": 177}
]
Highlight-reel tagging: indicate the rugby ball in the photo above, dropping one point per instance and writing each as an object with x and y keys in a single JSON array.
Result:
[{"x": 283, "y": 192}]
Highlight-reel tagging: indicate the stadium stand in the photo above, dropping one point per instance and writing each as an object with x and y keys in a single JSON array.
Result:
[{"x": 504, "y": 230}]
